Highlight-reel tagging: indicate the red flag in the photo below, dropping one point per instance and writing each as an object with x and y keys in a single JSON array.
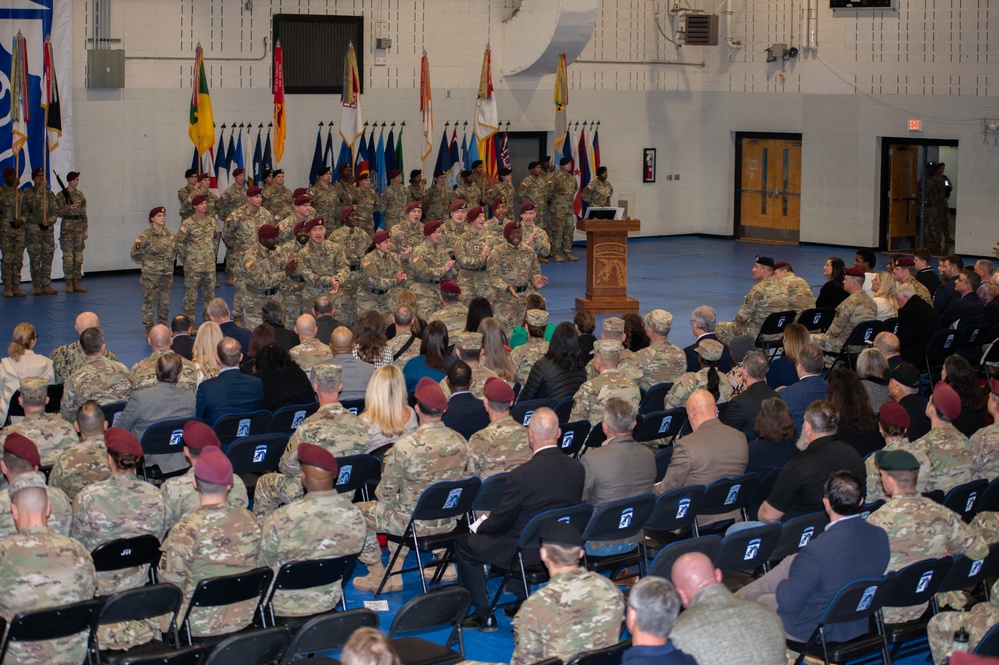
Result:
[{"x": 280, "y": 121}]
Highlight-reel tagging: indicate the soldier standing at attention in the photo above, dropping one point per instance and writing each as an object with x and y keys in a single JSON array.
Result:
[
  {"x": 469, "y": 190},
  {"x": 44, "y": 213},
  {"x": 563, "y": 223},
  {"x": 480, "y": 180},
  {"x": 155, "y": 251},
  {"x": 12, "y": 241},
  {"x": 502, "y": 188},
  {"x": 417, "y": 186},
  {"x": 392, "y": 202},
  {"x": 204, "y": 188},
  {"x": 365, "y": 198},
  {"x": 233, "y": 198},
  {"x": 355, "y": 243},
  {"x": 263, "y": 271},
  {"x": 438, "y": 198},
  {"x": 196, "y": 246},
  {"x": 277, "y": 198},
  {"x": 431, "y": 263},
  {"x": 239, "y": 234},
  {"x": 515, "y": 273},
  {"x": 535, "y": 188},
  {"x": 344, "y": 189},
  {"x": 382, "y": 277},
  {"x": 472, "y": 255},
  {"x": 73, "y": 233},
  {"x": 324, "y": 197},
  {"x": 598, "y": 192},
  {"x": 184, "y": 194}
]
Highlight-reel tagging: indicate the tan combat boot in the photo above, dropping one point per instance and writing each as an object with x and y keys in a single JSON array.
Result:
[
  {"x": 79, "y": 287},
  {"x": 371, "y": 581},
  {"x": 17, "y": 291},
  {"x": 7, "y": 293},
  {"x": 69, "y": 286},
  {"x": 48, "y": 290},
  {"x": 38, "y": 290}
]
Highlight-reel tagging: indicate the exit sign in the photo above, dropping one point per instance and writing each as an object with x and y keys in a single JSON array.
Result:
[{"x": 915, "y": 125}]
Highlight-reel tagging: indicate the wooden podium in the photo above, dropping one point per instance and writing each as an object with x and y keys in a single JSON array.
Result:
[{"x": 607, "y": 266}]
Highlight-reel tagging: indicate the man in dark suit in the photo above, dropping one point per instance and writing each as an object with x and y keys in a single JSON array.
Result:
[
  {"x": 917, "y": 321},
  {"x": 218, "y": 312},
  {"x": 967, "y": 310},
  {"x": 741, "y": 411},
  {"x": 183, "y": 340},
  {"x": 702, "y": 323},
  {"x": 465, "y": 413},
  {"x": 925, "y": 274},
  {"x": 903, "y": 388},
  {"x": 950, "y": 267},
  {"x": 810, "y": 386},
  {"x": 549, "y": 480},
  {"x": 231, "y": 391},
  {"x": 801, "y": 587},
  {"x": 323, "y": 310}
]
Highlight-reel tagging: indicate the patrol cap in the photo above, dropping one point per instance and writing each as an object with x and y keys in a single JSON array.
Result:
[
  {"x": 439, "y": 173},
  {"x": 394, "y": 173},
  {"x": 157, "y": 210},
  {"x": 347, "y": 210},
  {"x": 267, "y": 231},
  {"x": 474, "y": 213},
  {"x": 72, "y": 175},
  {"x": 313, "y": 223},
  {"x": 254, "y": 191},
  {"x": 303, "y": 200},
  {"x": 214, "y": 467},
  {"x": 430, "y": 227},
  {"x": 498, "y": 390},
  {"x": 324, "y": 170},
  {"x": 414, "y": 205},
  {"x": 710, "y": 349},
  {"x": 505, "y": 171},
  {"x": 537, "y": 317},
  {"x": 905, "y": 262},
  {"x": 612, "y": 324},
  {"x": 510, "y": 228},
  {"x": 497, "y": 202},
  {"x": 896, "y": 460},
  {"x": 894, "y": 414},
  {"x": 199, "y": 199},
  {"x": 946, "y": 400},
  {"x": 9, "y": 171},
  {"x": 23, "y": 447},
  {"x": 381, "y": 237},
  {"x": 561, "y": 533},
  {"x": 26, "y": 480},
  {"x": 904, "y": 373},
  {"x": 781, "y": 264},
  {"x": 457, "y": 204},
  {"x": 314, "y": 455},
  {"x": 765, "y": 261},
  {"x": 430, "y": 395},
  {"x": 447, "y": 286},
  {"x": 854, "y": 271},
  {"x": 34, "y": 388},
  {"x": 203, "y": 176},
  {"x": 607, "y": 347},
  {"x": 198, "y": 435},
  {"x": 122, "y": 441},
  {"x": 190, "y": 173},
  {"x": 659, "y": 320},
  {"x": 239, "y": 171},
  {"x": 526, "y": 206},
  {"x": 327, "y": 373},
  {"x": 469, "y": 341}
]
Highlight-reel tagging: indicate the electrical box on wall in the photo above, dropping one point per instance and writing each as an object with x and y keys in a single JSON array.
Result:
[
  {"x": 862, "y": 4},
  {"x": 106, "y": 68},
  {"x": 702, "y": 30}
]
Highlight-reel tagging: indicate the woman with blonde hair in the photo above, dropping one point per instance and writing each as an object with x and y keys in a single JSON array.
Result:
[
  {"x": 205, "y": 352},
  {"x": 782, "y": 372},
  {"x": 495, "y": 354},
  {"x": 20, "y": 364},
  {"x": 884, "y": 287},
  {"x": 386, "y": 412}
]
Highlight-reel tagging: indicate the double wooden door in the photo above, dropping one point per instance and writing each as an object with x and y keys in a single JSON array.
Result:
[{"x": 769, "y": 184}]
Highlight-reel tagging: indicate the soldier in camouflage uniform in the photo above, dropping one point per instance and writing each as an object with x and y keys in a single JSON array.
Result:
[
  {"x": 767, "y": 296},
  {"x": 535, "y": 348},
  {"x": 41, "y": 569},
  {"x": 239, "y": 234},
  {"x": 857, "y": 308},
  {"x": 292, "y": 293},
  {"x": 918, "y": 528},
  {"x": 577, "y": 611},
  {"x": 68, "y": 358},
  {"x": 453, "y": 227},
  {"x": 355, "y": 243},
  {"x": 392, "y": 202},
  {"x": 430, "y": 454},
  {"x": 976, "y": 622},
  {"x": 302, "y": 212},
  {"x": 234, "y": 197},
  {"x": 534, "y": 236},
  {"x": 322, "y": 524},
  {"x": 43, "y": 213},
  {"x": 205, "y": 189},
  {"x": 100, "y": 379},
  {"x": 468, "y": 349},
  {"x": 710, "y": 352},
  {"x": 324, "y": 198},
  {"x": 179, "y": 493},
  {"x": 985, "y": 441},
  {"x": 798, "y": 291},
  {"x": 503, "y": 188},
  {"x": 661, "y": 360},
  {"x": 20, "y": 467},
  {"x": 196, "y": 244},
  {"x": 332, "y": 428},
  {"x": 12, "y": 238},
  {"x": 50, "y": 433},
  {"x": 86, "y": 462},
  {"x": 591, "y": 397},
  {"x": 905, "y": 273},
  {"x": 451, "y": 313},
  {"x": 309, "y": 352},
  {"x": 599, "y": 192},
  {"x": 216, "y": 539},
  {"x": 405, "y": 345},
  {"x": 155, "y": 250},
  {"x": 437, "y": 199},
  {"x": 278, "y": 199},
  {"x": 952, "y": 457},
  {"x": 123, "y": 506},
  {"x": 472, "y": 255},
  {"x": 344, "y": 191},
  {"x": 73, "y": 232},
  {"x": 144, "y": 372},
  {"x": 893, "y": 423},
  {"x": 563, "y": 224},
  {"x": 365, "y": 198},
  {"x": 184, "y": 194},
  {"x": 469, "y": 190},
  {"x": 536, "y": 189},
  {"x": 407, "y": 235},
  {"x": 612, "y": 328},
  {"x": 382, "y": 277},
  {"x": 323, "y": 266},
  {"x": 481, "y": 180},
  {"x": 502, "y": 446},
  {"x": 500, "y": 211},
  {"x": 515, "y": 273},
  {"x": 417, "y": 186},
  {"x": 431, "y": 262},
  {"x": 263, "y": 272}
]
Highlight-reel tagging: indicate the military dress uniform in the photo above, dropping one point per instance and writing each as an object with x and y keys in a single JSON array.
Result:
[
  {"x": 354, "y": 242},
  {"x": 81, "y": 464},
  {"x": 43, "y": 213},
  {"x": 100, "y": 379},
  {"x": 429, "y": 262},
  {"x": 378, "y": 289},
  {"x": 598, "y": 193},
  {"x": 278, "y": 201},
  {"x": 50, "y": 433},
  {"x": 144, "y": 372},
  {"x": 60, "y": 519},
  {"x": 181, "y": 498},
  {"x": 767, "y": 296},
  {"x": 516, "y": 267},
  {"x": 857, "y": 308},
  {"x": 392, "y": 204},
  {"x": 72, "y": 235},
  {"x": 366, "y": 201},
  {"x": 240, "y": 235},
  {"x": 12, "y": 237},
  {"x": 592, "y": 396},
  {"x": 196, "y": 244},
  {"x": 563, "y": 224},
  {"x": 436, "y": 201},
  {"x": 502, "y": 446},
  {"x": 156, "y": 253},
  {"x": 952, "y": 457}
]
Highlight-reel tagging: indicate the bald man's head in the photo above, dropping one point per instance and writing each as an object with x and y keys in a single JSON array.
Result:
[
  {"x": 691, "y": 573},
  {"x": 342, "y": 340},
  {"x": 701, "y": 406},
  {"x": 305, "y": 326},
  {"x": 887, "y": 343},
  {"x": 160, "y": 338},
  {"x": 543, "y": 429},
  {"x": 87, "y": 320},
  {"x": 30, "y": 507}
]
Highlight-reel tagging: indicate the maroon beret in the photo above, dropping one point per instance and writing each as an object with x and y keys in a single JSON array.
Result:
[
  {"x": 345, "y": 213},
  {"x": 394, "y": 173},
  {"x": 854, "y": 271},
  {"x": 430, "y": 227},
  {"x": 474, "y": 213},
  {"x": 267, "y": 231},
  {"x": 905, "y": 262},
  {"x": 430, "y": 395},
  {"x": 37, "y": 172},
  {"x": 298, "y": 192},
  {"x": 781, "y": 264},
  {"x": 203, "y": 176},
  {"x": 497, "y": 202},
  {"x": 72, "y": 175},
  {"x": 946, "y": 400},
  {"x": 498, "y": 390},
  {"x": 457, "y": 204},
  {"x": 343, "y": 168},
  {"x": 893, "y": 413},
  {"x": 993, "y": 383},
  {"x": 303, "y": 200},
  {"x": 8, "y": 171},
  {"x": 525, "y": 206},
  {"x": 254, "y": 191},
  {"x": 413, "y": 205},
  {"x": 313, "y": 223},
  {"x": 122, "y": 441},
  {"x": 509, "y": 228},
  {"x": 447, "y": 286},
  {"x": 157, "y": 210},
  {"x": 298, "y": 228},
  {"x": 20, "y": 445},
  {"x": 199, "y": 199},
  {"x": 316, "y": 456},
  {"x": 381, "y": 237},
  {"x": 198, "y": 435},
  {"x": 214, "y": 467},
  {"x": 239, "y": 171}
]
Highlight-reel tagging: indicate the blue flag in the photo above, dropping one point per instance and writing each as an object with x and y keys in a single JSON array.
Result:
[
  {"x": 464, "y": 152},
  {"x": 267, "y": 152},
  {"x": 317, "y": 158},
  {"x": 380, "y": 163},
  {"x": 328, "y": 152},
  {"x": 473, "y": 152},
  {"x": 238, "y": 150},
  {"x": 258, "y": 163},
  {"x": 443, "y": 155},
  {"x": 342, "y": 158},
  {"x": 362, "y": 151},
  {"x": 390, "y": 153}
]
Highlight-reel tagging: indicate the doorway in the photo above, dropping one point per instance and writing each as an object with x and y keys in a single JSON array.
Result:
[
  {"x": 912, "y": 214},
  {"x": 768, "y": 187},
  {"x": 525, "y": 147}
]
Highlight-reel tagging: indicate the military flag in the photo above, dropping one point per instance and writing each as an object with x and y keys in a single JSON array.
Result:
[
  {"x": 426, "y": 109},
  {"x": 317, "y": 156},
  {"x": 486, "y": 114},
  {"x": 201, "y": 127},
  {"x": 561, "y": 102},
  {"x": 50, "y": 99},
  {"x": 351, "y": 122},
  {"x": 280, "y": 121},
  {"x": 19, "y": 107}
]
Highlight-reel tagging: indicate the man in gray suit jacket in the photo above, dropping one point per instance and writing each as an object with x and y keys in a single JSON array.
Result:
[{"x": 355, "y": 372}]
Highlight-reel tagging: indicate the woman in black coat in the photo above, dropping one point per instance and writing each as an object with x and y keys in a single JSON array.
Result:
[
  {"x": 285, "y": 383},
  {"x": 560, "y": 372}
]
